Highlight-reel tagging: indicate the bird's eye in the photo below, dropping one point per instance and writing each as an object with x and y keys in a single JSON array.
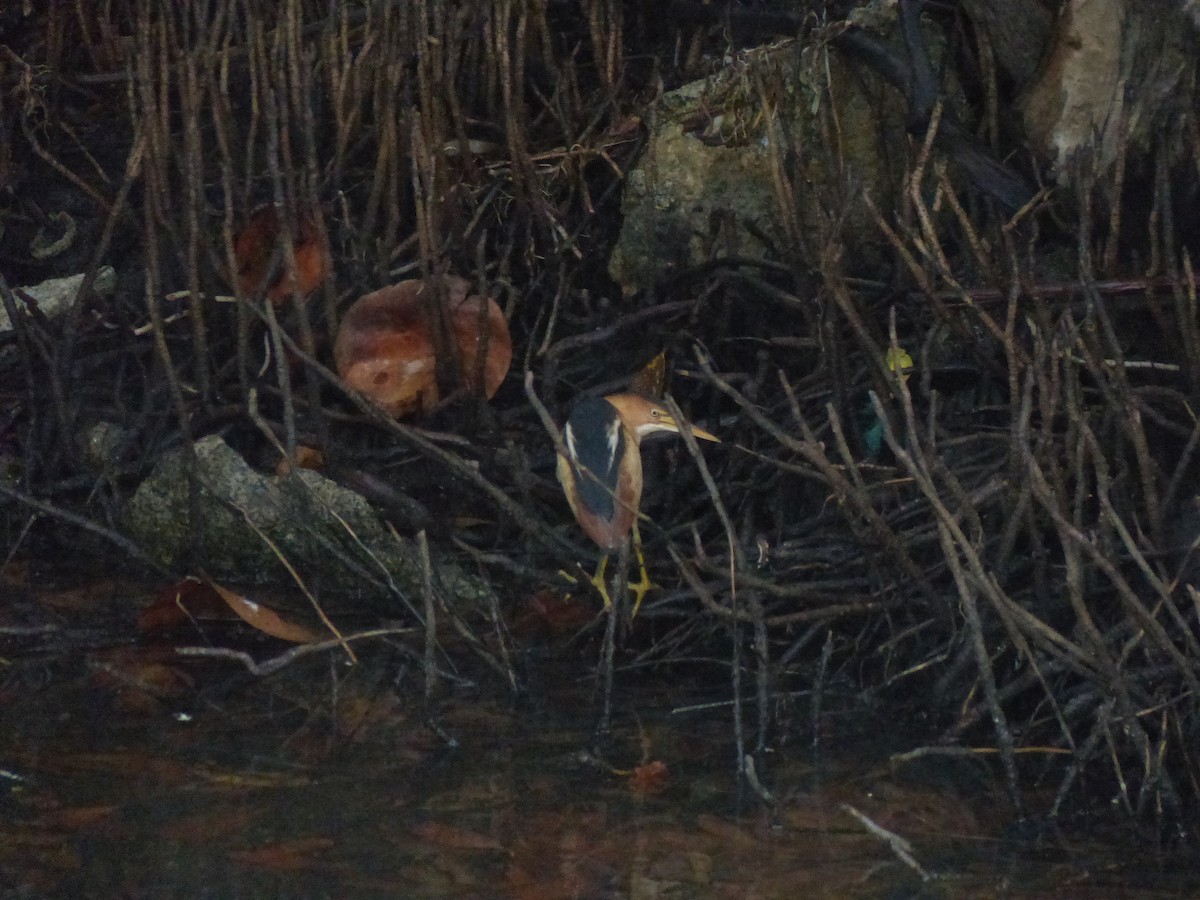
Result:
[{"x": 656, "y": 413}]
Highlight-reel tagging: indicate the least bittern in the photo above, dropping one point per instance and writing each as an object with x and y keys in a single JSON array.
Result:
[{"x": 601, "y": 473}]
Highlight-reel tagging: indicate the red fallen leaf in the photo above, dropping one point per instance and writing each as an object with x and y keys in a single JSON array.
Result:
[
  {"x": 650, "y": 778},
  {"x": 447, "y": 837},
  {"x": 265, "y": 620},
  {"x": 179, "y": 603},
  {"x": 548, "y": 611},
  {"x": 284, "y": 856}
]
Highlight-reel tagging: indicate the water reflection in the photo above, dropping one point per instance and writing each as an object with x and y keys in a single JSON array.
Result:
[{"x": 328, "y": 781}]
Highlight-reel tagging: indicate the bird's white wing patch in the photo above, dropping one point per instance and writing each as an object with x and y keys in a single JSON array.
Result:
[
  {"x": 614, "y": 436},
  {"x": 569, "y": 434}
]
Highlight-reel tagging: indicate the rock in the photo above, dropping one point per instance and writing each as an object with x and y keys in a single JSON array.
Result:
[
  {"x": 100, "y": 445},
  {"x": 1018, "y": 30},
  {"x": 716, "y": 145},
  {"x": 1118, "y": 80},
  {"x": 55, "y": 294},
  {"x": 299, "y": 513}
]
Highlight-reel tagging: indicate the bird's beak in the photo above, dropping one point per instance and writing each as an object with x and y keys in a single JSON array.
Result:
[{"x": 672, "y": 424}]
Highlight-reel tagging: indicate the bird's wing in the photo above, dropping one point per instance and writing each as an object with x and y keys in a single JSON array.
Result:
[{"x": 596, "y": 442}]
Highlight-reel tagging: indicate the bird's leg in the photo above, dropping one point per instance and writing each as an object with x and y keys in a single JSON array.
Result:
[
  {"x": 643, "y": 584},
  {"x": 639, "y": 588},
  {"x": 601, "y": 583}
]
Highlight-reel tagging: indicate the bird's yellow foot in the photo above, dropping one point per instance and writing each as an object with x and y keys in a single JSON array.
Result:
[
  {"x": 570, "y": 579},
  {"x": 643, "y": 584},
  {"x": 600, "y": 583},
  {"x": 638, "y": 588}
]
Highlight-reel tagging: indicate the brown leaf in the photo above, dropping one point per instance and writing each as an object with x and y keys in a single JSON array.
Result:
[
  {"x": 265, "y": 620},
  {"x": 178, "y": 603},
  {"x": 546, "y": 611}
]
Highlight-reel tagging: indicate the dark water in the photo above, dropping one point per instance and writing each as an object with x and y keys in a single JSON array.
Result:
[{"x": 130, "y": 774}]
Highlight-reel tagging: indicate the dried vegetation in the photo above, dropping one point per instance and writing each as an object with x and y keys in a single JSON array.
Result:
[{"x": 1019, "y": 557}]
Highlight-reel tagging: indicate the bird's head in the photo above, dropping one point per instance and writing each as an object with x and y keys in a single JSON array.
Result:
[{"x": 644, "y": 416}]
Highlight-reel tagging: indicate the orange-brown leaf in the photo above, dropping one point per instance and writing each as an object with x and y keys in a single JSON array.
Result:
[
  {"x": 265, "y": 620},
  {"x": 179, "y": 603}
]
